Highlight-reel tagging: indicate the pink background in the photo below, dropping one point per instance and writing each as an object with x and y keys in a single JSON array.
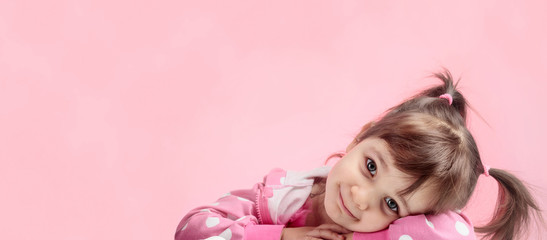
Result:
[{"x": 118, "y": 117}]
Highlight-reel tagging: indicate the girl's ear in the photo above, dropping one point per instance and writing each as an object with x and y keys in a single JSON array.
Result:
[{"x": 359, "y": 136}]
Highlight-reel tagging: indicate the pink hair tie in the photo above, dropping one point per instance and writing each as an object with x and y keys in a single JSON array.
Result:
[
  {"x": 448, "y": 97},
  {"x": 486, "y": 170}
]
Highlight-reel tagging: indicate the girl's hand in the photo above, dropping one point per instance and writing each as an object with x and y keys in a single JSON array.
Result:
[
  {"x": 325, "y": 231},
  {"x": 349, "y": 236}
]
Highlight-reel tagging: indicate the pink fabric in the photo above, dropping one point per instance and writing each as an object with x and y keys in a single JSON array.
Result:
[
  {"x": 448, "y": 225},
  {"x": 265, "y": 232},
  {"x": 282, "y": 200}
]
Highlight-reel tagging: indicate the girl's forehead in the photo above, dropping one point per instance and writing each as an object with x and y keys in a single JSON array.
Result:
[
  {"x": 419, "y": 201},
  {"x": 374, "y": 143}
]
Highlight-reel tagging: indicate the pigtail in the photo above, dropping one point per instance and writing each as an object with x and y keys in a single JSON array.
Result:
[
  {"x": 515, "y": 207},
  {"x": 428, "y": 101},
  {"x": 459, "y": 102}
]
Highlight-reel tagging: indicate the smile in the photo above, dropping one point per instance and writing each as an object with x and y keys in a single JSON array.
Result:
[{"x": 344, "y": 206}]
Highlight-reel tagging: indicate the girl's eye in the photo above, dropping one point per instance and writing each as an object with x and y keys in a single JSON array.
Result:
[
  {"x": 391, "y": 204},
  {"x": 371, "y": 166}
]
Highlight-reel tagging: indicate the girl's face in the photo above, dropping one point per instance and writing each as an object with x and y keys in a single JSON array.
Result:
[{"x": 362, "y": 189}]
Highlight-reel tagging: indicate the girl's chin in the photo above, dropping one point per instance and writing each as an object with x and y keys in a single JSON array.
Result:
[
  {"x": 330, "y": 214},
  {"x": 333, "y": 216}
]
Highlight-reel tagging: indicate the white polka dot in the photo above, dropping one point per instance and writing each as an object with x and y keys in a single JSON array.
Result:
[
  {"x": 405, "y": 237},
  {"x": 430, "y": 224},
  {"x": 227, "y": 234},
  {"x": 243, "y": 199},
  {"x": 212, "y": 221},
  {"x": 186, "y": 225},
  {"x": 215, "y": 238},
  {"x": 241, "y": 218},
  {"x": 282, "y": 180},
  {"x": 215, "y": 204},
  {"x": 462, "y": 229},
  {"x": 205, "y": 210}
]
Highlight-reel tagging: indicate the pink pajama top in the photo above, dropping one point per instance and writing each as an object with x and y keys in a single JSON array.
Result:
[{"x": 282, "y": 200}]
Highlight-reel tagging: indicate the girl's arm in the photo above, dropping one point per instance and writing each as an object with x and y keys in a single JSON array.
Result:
[
  {"x": 233, "y": 216},
  {"x": 257, "y": 213},
  {"x": 327, "y": 231}
]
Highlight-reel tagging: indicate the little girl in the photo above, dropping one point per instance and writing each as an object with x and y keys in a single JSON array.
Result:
[{"x": 402, "y": 177}]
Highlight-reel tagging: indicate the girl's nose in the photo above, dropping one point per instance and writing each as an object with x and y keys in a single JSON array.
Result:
[{"x": 361, "y": 196}]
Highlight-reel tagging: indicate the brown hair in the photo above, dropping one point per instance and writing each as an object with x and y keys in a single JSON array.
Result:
[{"x": 429, "y": 141}]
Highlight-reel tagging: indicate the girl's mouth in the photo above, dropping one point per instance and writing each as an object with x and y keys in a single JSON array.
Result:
[{"x": 344, "y": 206}]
